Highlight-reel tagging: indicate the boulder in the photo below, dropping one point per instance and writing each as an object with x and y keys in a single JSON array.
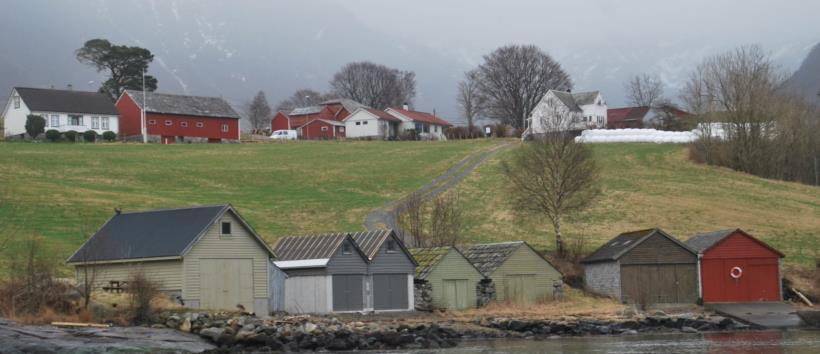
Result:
[
  {"x": 185, "y": 326},
  {"x": 212, "y": 333},
  {"x": 687, "y": 329}
]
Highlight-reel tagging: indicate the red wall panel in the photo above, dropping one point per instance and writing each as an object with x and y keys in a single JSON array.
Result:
[
  {"x": 760, "y": 271},
  {"x": 211, "y": 128}
]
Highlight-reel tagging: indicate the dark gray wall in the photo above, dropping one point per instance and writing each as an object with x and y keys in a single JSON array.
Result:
[
  {"x": 385, "y": 262},
  {"x": 352, "y": 263}
]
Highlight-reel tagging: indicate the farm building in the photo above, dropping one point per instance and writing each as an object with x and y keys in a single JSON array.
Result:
[
  {"x": 520, "y": 274},
  {"x": 452, "y": 279},
  {"x": 426, "y": 125},
  {"x": 335, "y": 110},
  {"x": 646, "y": 266},
  {"x": 63, "y": 110},
  {"x": 324, "y": 273},
  {"x": 736, "y": 267},
  {"x": 208, "y": 257},
  {"x": 177, "y": 118},
  {"x": 372, "y": 123},
  {"x": 391, "y": 270}
]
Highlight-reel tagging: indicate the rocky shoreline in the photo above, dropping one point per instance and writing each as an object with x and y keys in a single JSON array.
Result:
[{"x": 315, "y": 333}]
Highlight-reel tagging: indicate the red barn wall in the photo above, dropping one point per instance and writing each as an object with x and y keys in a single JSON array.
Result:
[
  {"x": 313, "y": 131},
  {"x": 760, "y": 279},
  {"x": 129, "y": 116},
  {"x": 211, "y": 129}
]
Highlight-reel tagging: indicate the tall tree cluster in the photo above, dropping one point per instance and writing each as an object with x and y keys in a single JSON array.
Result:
[
  {"x": 259, "y": 112},
  {"x": 513, "y": 79},
  {"x": 125, "y": 66},
  {"x": 374, "y": 85},
  {"x": 644, "y": 90},
  {"x": 470, "y": 101}
]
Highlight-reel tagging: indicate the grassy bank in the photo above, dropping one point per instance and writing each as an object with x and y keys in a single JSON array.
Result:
[{"x": 651, "y": 185}]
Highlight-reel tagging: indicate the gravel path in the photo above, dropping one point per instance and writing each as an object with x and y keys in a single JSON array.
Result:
[
  {"x": 382, "y": 218},
  {"x": 16, "y": 338}
]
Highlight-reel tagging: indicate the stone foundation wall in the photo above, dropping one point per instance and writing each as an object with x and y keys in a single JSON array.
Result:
[
  {"x": 423, "y": 293},
  {"x": 485, "y": 292}
]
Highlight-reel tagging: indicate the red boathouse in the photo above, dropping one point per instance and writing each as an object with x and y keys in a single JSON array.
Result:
[
  {"x": 736, "y": 267},
  {"x": 177, "y": 118}
]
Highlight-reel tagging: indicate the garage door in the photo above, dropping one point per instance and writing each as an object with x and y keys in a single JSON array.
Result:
[
  {"x": 348, "y": 292},
  {"x": 455, "y": 293},
  {"x": 659, "y": 283},
  {"x": 390, "y": 292},
  {"x": 757, "y": 280},
  {"x": 519, "y": 288},
  {"x": 225, "y": 283}
]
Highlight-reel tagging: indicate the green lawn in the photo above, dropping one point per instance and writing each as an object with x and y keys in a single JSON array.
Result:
[
  {"x": 651, "y": 185},
  {"x": 63, "y": 192}
]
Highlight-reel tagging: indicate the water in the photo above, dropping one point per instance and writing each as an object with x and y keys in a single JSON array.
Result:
[{"x": 722, "y": 343}]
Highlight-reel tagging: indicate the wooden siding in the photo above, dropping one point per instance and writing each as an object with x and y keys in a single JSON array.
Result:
[
  {"x": 453, "y": 266},
  {"x": 352, "y": 263},
  {"x": 308, "y": 294},
  {"x": 239, "y": 245},
  {"x": 391, "y": 262},
  {"x": 659, "y": 283},
  {"x": 167, "y": 274},
  {"x": 658, "y": 249},
  {"x": 526, "y": 262},
  {"x": 739, "y": 245}
]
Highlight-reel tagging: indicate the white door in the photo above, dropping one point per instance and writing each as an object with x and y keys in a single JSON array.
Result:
[{"x": 225, "y": 283}]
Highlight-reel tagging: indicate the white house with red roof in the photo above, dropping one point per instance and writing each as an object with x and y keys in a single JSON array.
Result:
[
  {"x": 371, "y": 123},
  {"x": 426, "y": 125}
]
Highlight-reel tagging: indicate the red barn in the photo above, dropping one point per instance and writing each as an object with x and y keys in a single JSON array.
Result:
[
  {"x": 335, "y": 110},
  {"x": 736, "y": 267},
  {"x": 177, "y": 118}
]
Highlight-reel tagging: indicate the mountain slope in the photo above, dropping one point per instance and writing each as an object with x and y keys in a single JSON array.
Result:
[{"x": 806, "y": 80}]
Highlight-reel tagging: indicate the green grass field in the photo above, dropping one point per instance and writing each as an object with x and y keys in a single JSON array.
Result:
[
  {"x": 63, "y": 192},
  {"x": 651, "y": 185}
]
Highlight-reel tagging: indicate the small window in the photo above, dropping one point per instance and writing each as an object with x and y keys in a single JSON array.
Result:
[
  {"x": 347, "y": 248},
  {"x": 392, "y": 247},
  {"x": 95, "y": 122},
  {"x": 16, "y": 102},
  {"x": 324, "y": 129},
  {"x": 55, "y": 120},
  {"x": 169, "y": 122},
  {"x": 183, "y": 124},
  {"x": 104, "y": 123},
  {"x": 358, "y": 123},
  {"x": 365, "y": 123},
  {"x": 226, "y": 228},
  {"x": 152, "y": 122},
  {"x": 75, "y": 120},
  {"x": 200, "y": 124},
  {"x": 224, "y": 128}
]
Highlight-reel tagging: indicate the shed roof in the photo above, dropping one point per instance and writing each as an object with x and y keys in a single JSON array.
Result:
[
  {"x": 700, "y": 243},
  {"x": 371, "y": 241},
  {"x": 489, "y": 256},
  {"x": 623, "y": 243},
  {"x": 66, "y": 101},
  {"x": 152, "y": 234},
  {"x": 321, "y": 246},
  {"x": 199, "y": 106}
]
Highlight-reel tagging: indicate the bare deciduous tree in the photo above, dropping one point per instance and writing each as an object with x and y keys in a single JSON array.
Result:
[
  {"x": 644, "y": 90},
  {"x": 514, "y": 78},
  {"x": 374, "y": 85},
  {"x": 259, "y": 112},
  {"x": 301, "y": 98},
  {"x": 552, "y": 176},
  {"x": 430, "y": 223},
  {"x": 470, "y": 100}
]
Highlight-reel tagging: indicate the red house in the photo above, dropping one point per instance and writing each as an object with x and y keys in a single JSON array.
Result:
[
  {"x": 736, "y": 267},
  {"x": 335, "y": 110},
  {"x": 177, "y": 118}
]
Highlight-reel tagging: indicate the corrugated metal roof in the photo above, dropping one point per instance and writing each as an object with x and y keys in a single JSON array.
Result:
[
  {"x": 147, "y": 234},
  {"x": 305, "y": 110},
  {"x": 348, "y": 104},
  {"x": 370, "y": 241},
  {"x": 66, "y": 101},
  {"x": 199, "y": 106},
  {"x": 308, "y": 247},
  {"x": 428, "y": 258},
  {"x": 489, "y": 256}
]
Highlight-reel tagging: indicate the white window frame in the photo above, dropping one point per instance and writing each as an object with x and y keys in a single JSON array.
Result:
[
  {"x": 104, "y": 123},
  {"x": 222, "y": 229},
  {"x": 54, "y": 119},
  {"x": 79, "y": 120},
  {"x": 225, "y": 128},
  {"x": 200, "y": 124},
  {"x": 324, "y": 129},
  {"x": 152, "y": 122},
  {"x": 183, "y": 124},
  {"x": 16, "y": 100},
  {"x": 95, "y": 122}
]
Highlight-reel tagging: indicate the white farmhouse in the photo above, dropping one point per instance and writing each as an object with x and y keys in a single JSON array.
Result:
[
  {"x": 426, "y": 125},
  {"x": 63, "y": 110},
  {"x": 371, "y": 123},
  {"x": 565, "y": 111}
]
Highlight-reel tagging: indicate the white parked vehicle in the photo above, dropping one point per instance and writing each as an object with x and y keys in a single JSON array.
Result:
[{"x": 284, "y": 135}]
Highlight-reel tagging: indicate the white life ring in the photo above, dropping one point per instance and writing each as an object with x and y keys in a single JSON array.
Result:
[{"x": 736, "y": 272}]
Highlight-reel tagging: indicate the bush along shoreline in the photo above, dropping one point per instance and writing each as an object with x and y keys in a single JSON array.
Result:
[{"x": 232, "y": 333}]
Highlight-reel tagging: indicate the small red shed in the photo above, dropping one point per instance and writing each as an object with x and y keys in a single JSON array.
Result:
[
  {"x": 173, "y": 118},
  {"x": 736, "y": 267}
]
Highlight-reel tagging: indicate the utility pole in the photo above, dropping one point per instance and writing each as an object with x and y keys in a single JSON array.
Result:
[{"x": 142, "y": 112}]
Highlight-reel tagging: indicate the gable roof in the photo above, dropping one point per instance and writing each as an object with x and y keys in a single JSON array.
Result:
[
  {"x": 153, "y": 234},
  {"x": 371, "y": 241},
  {"x": 382, "y": 115},
  {"x": 701, "y": 243},
  {"x": 298, "y": 111},
  {"x": 617, "y": 115},
  {"x": 67, "y": 101},
  {"x": 428, "y": 258},
  {"x": 199, "y": 106},
  {"x": 489, "y": 256},
  {"x": 585, "y": 98},
  {"x": 567, "y": 99},
  {"x": 348, "y": 104},
  {"x": 416, "y": 116},
  {"x": 321, "y": 246},
  {"x": 623, "y": 243}
]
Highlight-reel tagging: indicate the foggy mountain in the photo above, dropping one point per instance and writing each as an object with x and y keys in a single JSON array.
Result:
[
  {"x": 235, "y": 48},
  {"x": 806, "y": 80}
]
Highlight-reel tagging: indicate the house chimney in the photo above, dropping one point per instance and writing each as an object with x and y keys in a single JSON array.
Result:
[
  {"x": 569, "y": 90},
  {"x": 70, "y": 87},
  {"x": 405, "y": 106},
  {"x": 118, "y": 211}
]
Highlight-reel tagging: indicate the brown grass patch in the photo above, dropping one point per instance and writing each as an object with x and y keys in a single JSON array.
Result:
[{"x": 575, "y": 304}]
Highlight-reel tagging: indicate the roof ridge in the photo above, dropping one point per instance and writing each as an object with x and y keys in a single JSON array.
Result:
[{"x": 173, "y": 209}]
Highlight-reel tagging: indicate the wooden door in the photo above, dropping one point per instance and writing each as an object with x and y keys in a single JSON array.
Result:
[
  {"x": 519, "y": 288},
  {"x": 226, "y": 283},
  {"x": 455, "y": 293}
]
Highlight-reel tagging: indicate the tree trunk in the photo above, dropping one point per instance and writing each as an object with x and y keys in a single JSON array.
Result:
[{"x": 559, "y": 242}]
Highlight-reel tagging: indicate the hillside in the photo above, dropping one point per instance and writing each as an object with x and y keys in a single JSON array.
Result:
[
  {"x": 650, "y": 185},
  {"x": 806, "y": 80},
  {"x": 63, "y": 192}
]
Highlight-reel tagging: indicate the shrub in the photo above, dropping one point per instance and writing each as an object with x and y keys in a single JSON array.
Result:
[
  {"x": 35, "y": 125},
  {"x": 141, "y": 291},
  {"x": 89, "y": 136},
  {"x": 71, "y": 135},
  {"x": 409, "y": 134},
  {"x": 109, "y": 136},
  {"x": 53, "y": 135}
]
